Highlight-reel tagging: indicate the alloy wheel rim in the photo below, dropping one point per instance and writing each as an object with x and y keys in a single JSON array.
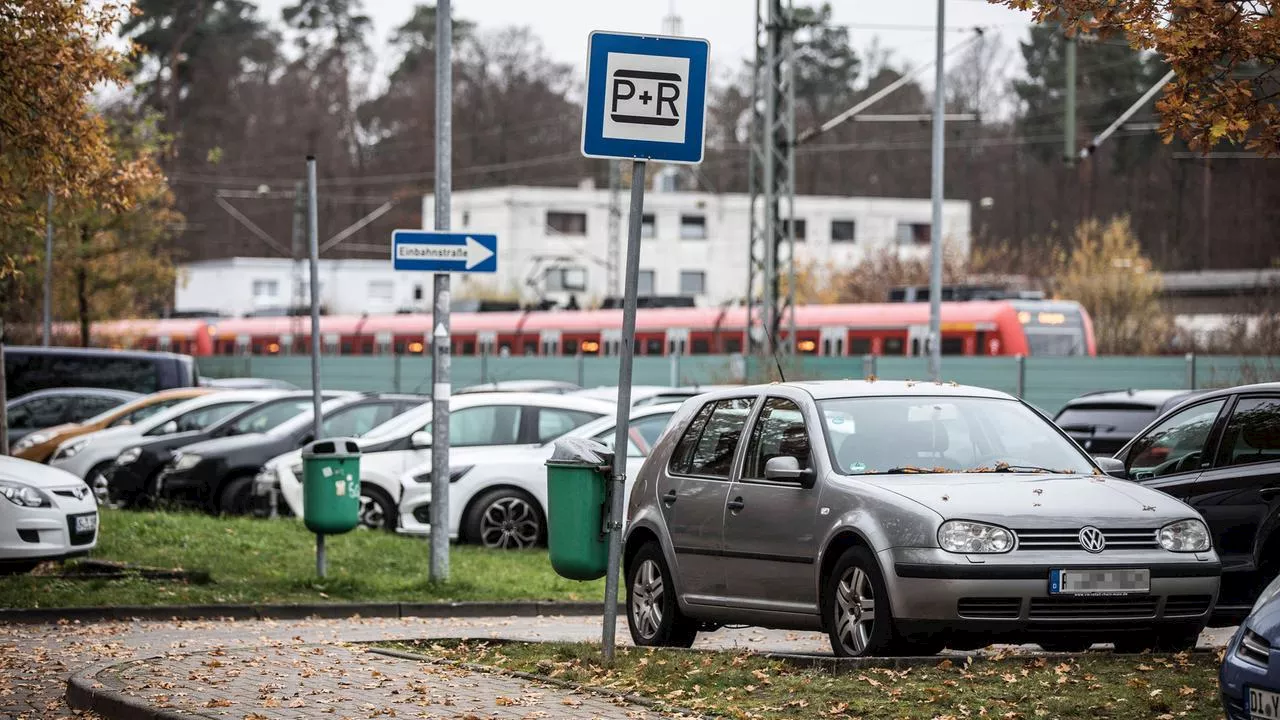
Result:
[
  {"x": 646, "y": 599},
  {"x": 509, "y": 524},
  {"x": 102, "y": 490},
  {"x": 855, "y": 610},
  {"x": 371, "y": 514}
]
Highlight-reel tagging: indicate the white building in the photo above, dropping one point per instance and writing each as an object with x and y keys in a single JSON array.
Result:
[{"x": 553, "y": 243}]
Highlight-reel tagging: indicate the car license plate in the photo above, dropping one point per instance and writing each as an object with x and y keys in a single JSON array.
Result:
[
  {"x": 1264, "y": 704},
  {"x": 1099, "y": 582},
  {"x": 86, "y": 523}
]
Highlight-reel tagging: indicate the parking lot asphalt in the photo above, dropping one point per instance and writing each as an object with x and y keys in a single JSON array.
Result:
[{"x": 258, "y": 668}]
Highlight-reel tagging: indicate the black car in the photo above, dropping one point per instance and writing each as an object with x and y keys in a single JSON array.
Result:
[
  {"x": 218, "y": 474},
  {"x": 132, "y": 478},
  {"x": 1102, "y": 422},
  {"x": 1220, "y": 453}
]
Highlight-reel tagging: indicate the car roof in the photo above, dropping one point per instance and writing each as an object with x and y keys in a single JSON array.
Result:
[
  {"x": 519, "y": 386},
  {"x": 1149, "y": 397},
  {"x": 828, "y": 389},
  {"x": 80, "y": 392},
  {"x": 552, "y": 400}
]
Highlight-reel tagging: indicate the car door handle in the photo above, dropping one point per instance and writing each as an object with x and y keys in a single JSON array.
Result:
[
  {"x": 735, "y": 504},
  {"x": 669, "y": 499},
  {"x": 1269, "y": 493}
]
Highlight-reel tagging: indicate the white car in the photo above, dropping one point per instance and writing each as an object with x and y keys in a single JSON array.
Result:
[
  {"x": 476, "y": 420},
  {"x": 498, "y": 496},
  {"x": 642, "y": 395},
  {"x": 45, "y": 514},
  {"x": 88, "y": 456}
]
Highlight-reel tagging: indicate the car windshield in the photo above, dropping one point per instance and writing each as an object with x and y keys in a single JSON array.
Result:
[
  {"x": 269, "y": 415},
  {"x": 303, "y": 416},
  {"x": 1104, "y": 419},
  {"x": 902, "y": 435}
]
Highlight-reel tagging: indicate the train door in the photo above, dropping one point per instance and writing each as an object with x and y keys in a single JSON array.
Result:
[
  {"x": 550, "y": 340},
  {"x": 329, "y": 344},
  {"x": 382, "y": 343},
  {"x": 917, "y": 340},
  {"x": 243, "y": 344},
  {"x": 833, "y": 341},
  {"x": 286, "y": 344},
  {"x": 677, "y": 341},
  {"x": 164, "y": 344},
  {"x": 487, "y": 343},
  {"x": 610, "y": 343}
]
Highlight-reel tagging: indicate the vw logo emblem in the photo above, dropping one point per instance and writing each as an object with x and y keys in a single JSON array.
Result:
[{"x": 1092, "y": 539}]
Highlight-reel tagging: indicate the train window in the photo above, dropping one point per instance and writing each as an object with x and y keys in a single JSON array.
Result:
[
  {"x": 653, "y": 346},
  {"x": 346, "y": 348},
  {"x": 952, "y": 346},
  {"x": 732, "y": 345},
  {"x": 893, "y": 346},
  {"x": 366, "y": 348},
  {"x": 399, "y": 348},
  {"x": 531, "y": 348},
  {"x": 468, "y": 348},
  {"x": 570, "y": 347},
  {"x": 701, "y": 346},
  {"x": 860, "y": 346}
]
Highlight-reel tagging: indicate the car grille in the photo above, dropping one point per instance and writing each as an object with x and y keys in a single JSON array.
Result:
[
  {"x": 1187, "y": 605},
  {"x": 989, "y": 608},
  {"x": 1235, "y": 710},
  {"x": 1069, "y": 539},
  {"x": 1254, "y": 648},
  {"x": 1092, "y": 608}
]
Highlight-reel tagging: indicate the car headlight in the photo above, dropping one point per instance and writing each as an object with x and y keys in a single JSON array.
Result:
[
  {"x": 23, "y": 495},
  {"x": 455, "y": 474},
  {"x": 1185, "y": 536},
  {"x": 185, "y": 462},
  {"x": 1267, "y": 595},
  {"x": 30, "y": 441},
  {"x": 129, "y": 456},
  {"x": 70, "y": 450},
  {"x": 962, "y": 536}
]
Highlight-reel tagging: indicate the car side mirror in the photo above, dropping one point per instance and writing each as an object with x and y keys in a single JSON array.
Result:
[
  {"x": 169, "y": 427},
  {"x": 785, "y": 468},
  {"x": 420, "y": 440},
  {"x": 1112, "y": 467}
]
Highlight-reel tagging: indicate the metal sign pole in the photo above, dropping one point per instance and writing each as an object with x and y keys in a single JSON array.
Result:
[
  {"x": 935, "y": 231},
  {"x": 47, "y": 335},
  {"x": 313, "y": 241},
  {"x": 4, "y": 417},
  {"x": 619, "y": 480},
  {"x": 440, "y": 345}
]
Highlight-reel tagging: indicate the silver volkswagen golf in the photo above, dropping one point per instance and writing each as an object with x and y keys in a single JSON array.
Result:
[{"x": 903, "y": 517}]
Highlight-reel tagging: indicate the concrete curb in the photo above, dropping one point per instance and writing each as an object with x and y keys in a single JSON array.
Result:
[
  {"x": 86, "y": 691},
  {"x": 300, "y": 612}
]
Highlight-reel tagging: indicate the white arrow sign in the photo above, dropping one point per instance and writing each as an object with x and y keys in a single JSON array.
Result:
[{"x": 444, "y": 252}]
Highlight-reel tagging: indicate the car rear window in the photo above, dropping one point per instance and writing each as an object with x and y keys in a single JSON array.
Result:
[{"x": 1106, "y": 418}]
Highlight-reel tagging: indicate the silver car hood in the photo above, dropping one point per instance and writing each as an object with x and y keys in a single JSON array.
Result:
[{"x": 1035, "y": 501}]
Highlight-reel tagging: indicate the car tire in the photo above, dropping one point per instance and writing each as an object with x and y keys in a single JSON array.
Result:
[
  {"x": 101, "y": 487},
  {"x": 1065, "y": 644},
  {"x": 377, "y": 512},
  {"x": 1167, "y": 639},
  {"x": 506, "y": 519},
  {"x": 236, "y": 497},
  {"x": 855, "y": 607},
  {"x": 653, "y": 612}
]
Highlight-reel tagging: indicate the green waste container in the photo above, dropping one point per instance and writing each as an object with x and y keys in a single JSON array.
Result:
[
  {"x": 331, "y": 485},
  {"x": 577, "y": 493}
]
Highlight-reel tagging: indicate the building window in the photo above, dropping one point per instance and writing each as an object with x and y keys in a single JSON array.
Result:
[
  {"x": 645, "y": 284},
  {"x": 692, "y": 282},
  {"x": 648, "y": 226},
  {"x": 693, "y": 227},
  {"x": 381, "y": 290},
  {"x": 567, "y": 223},
  {"x": 466, "y": 218},
  {"x": 801, "y": 226},
  {"x": 913, "y": 233},
  {"x": 417, "y": 292},
  {"x": 266, "y": 290},
  {"x": 566, "y": 279},
  {"x": 843, "y": 230}
]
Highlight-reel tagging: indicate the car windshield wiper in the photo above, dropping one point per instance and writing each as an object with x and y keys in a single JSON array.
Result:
[
  {"x": 906, "y": 470},
  {"x": 1007, "y": 468}
]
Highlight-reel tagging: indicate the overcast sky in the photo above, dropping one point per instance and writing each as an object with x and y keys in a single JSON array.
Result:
[{"x": 902, "y": 26}]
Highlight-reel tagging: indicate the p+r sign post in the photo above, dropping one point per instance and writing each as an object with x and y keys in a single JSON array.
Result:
[{"x": 646, "y": 100}]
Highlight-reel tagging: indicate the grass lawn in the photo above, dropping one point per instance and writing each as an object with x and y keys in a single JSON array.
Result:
[
  {"x": 273, "y": 561},
  {"x": 1094, "y": 685}
]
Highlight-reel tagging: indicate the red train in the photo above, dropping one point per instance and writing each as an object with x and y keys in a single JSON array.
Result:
[{"x": 979, "y": 328}]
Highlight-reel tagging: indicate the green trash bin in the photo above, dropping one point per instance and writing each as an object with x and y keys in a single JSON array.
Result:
[
  {"x": 331, "y": 485},
  {"x": 577, "y": 483}
]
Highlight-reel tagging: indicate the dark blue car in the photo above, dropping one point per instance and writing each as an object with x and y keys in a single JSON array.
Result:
[{"x": 1251, "y": 669}]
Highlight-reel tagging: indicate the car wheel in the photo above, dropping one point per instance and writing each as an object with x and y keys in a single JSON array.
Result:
[
  {"x": 1169, "y": 639},
  {"x": 101, "y": 486},
  {"x": 1065, "y": 644},
  {"x": 236, "y": 497},
  {"x": 855, "y": 606},
  {"x": 506, "y": 519},
  {"x": 653, "y": 613},
  {"x": 377, "y": 512}
]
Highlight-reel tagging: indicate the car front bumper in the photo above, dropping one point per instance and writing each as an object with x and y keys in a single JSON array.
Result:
[
  {"x": 936, "y": 591},
  {"x": 47, "y": 533},
  {"x": 1238, "y": 674},
  {"x": 415, "y": 511}
]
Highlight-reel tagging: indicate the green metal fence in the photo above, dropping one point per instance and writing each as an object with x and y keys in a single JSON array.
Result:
[{"x": 1045, "y": 382}]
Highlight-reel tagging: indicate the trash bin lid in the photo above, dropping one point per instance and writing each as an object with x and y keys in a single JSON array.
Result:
[
  {"x": 581, "y": 452},
  {"x": 336, "y": 448}
]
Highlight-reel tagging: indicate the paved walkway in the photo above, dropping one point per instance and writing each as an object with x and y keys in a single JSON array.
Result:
[{"x": 262, "y": 668}]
